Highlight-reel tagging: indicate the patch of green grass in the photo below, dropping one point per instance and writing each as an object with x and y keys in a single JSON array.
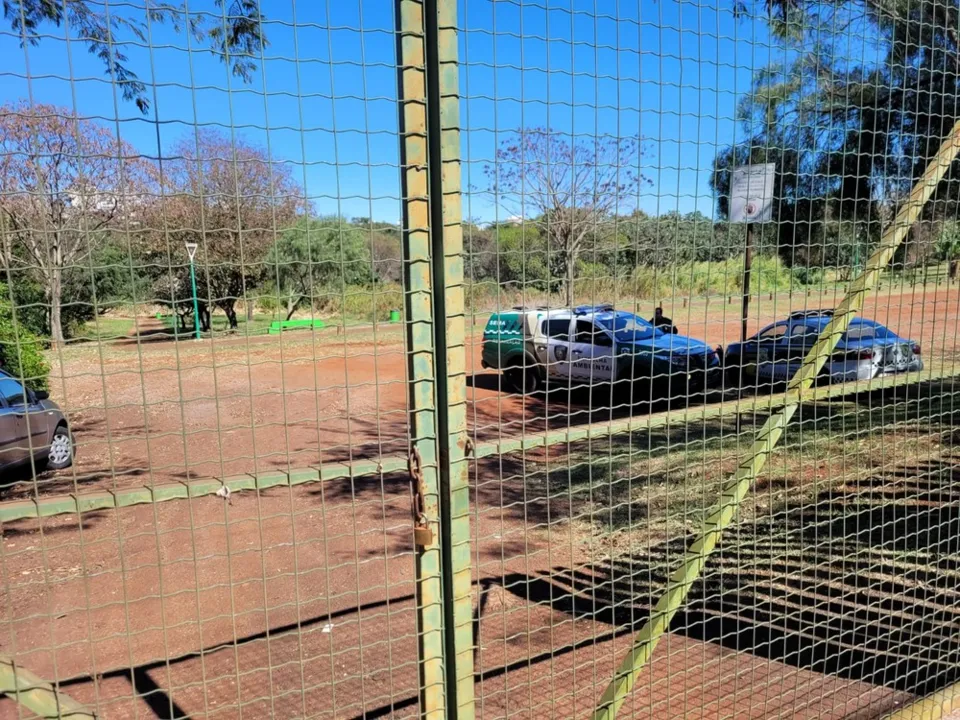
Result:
[{"x": 106, "y": 328}]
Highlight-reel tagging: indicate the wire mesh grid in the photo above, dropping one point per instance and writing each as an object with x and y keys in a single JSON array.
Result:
[
  {"x": 238, "y": 331},
  {"x": 600, "y": 147},
  {"x": 202, "y": 250}
]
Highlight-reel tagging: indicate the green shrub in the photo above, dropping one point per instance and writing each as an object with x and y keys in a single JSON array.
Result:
[
  {"x": 807, "y": 275},
  {"x": 692, "y": 279},
  {"x": 361, "y": 303},
  {"x": 21, "y": 352}
]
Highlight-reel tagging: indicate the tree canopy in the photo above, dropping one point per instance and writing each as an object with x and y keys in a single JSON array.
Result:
[
  {"x": 568, "y": 188},
  {"x": 850, "y": 136},
  {"x": 232, "y": 200},
  {"x": 318, "y": 256},
  {"x": 65, "y": 184},
  {"x": 233, "y": 32}
]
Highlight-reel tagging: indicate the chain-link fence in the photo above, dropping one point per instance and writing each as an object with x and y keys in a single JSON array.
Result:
[{"x": 501, "y": 359}]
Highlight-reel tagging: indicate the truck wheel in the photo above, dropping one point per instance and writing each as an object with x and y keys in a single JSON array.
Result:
[{"x": 525, "y": 381}]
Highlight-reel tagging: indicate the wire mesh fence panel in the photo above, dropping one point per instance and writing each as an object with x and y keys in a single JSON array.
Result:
[
  {"x": 664, "y": 203},
  {"x": 466, "y": 358},
  {"x": 206, "y": 507}
]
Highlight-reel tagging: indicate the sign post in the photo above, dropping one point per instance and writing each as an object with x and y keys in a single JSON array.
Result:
[
  {"x": 747, "y": 265},
  {"x": 751, "y": 201},
  {"x": 192, "y": 251}
]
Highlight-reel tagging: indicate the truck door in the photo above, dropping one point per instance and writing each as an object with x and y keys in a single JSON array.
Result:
[
  {"x": 762, "y": 353},
  {"x": 793, "y": 348},
  {"x": 555, "y": 347},
  {"x": 591, "y": 354}
]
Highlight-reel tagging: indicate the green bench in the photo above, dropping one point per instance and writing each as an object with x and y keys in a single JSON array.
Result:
[{"x": 279, "y": 326}]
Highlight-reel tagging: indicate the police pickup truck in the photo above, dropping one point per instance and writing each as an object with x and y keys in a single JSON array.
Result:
[{"x": 594, "y": 345}]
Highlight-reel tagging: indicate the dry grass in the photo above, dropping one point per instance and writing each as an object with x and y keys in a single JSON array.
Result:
[{"x": 627, "y": 492}]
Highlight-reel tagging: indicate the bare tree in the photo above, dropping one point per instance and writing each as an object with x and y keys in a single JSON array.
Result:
[
  {"x": 64, "y": 181},
  {"x": 231, "y": 199},
  {"x": 570, "y": 189}
]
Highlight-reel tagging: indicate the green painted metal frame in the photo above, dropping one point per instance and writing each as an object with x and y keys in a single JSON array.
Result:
[
  {"x": 435, "y": 344},
  {"x": 78, "y": 503},
  {"x": 418, "y": 303},
  {"x": 37, "y": 695},
  {"x": 85, "y": 502},
  {"x": 450, "y": 332},
  {"x": 736, "y": 489}
]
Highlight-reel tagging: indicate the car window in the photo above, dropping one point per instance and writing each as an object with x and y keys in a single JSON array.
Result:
[
  {"x": 803, "y": 330},
  {"x": 557, "y": 329},
  {"x": 867, "y": 332},
  {"x": 621, "y": 322},
  {"x": 773, "y": 333},
  {"x": 590, "y": 334},
  {"x": 12, "y": 391}
]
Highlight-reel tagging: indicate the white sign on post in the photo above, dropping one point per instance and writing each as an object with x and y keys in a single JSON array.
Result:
[{"x": 751, "y": 193}]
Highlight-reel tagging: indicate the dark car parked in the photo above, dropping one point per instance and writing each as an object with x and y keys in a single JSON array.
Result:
[
  {"x": 865, "y": 350},
  {"x": 32, "y": 427}
]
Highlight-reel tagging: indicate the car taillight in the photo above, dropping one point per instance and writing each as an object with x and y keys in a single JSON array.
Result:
[
  {"x": 865, "y": 354},
  {"x": 916, "y": 348}
]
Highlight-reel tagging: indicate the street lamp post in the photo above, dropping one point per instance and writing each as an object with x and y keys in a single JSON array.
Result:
[{"x": 192, "y": 251}]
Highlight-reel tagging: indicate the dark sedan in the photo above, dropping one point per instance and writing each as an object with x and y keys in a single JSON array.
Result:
[{"x": 865, "y": 350}]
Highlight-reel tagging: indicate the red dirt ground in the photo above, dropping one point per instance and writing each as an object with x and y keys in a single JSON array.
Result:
[
  {"x": 220, "y": 610},
  {"x": 299, "y": 602},
  {"x": 157, "y": 412}
]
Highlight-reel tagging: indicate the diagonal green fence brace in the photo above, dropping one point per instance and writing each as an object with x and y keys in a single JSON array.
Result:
[
  {"x": 37, "y": 695},
  {"x": 769, "y": 435}
]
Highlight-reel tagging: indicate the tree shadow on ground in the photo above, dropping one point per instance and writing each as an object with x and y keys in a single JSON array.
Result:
[{"x": 863, "y": 583}]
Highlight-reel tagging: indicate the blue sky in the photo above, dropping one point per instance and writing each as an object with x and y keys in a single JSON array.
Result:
[{"x": 323, "y": 98}]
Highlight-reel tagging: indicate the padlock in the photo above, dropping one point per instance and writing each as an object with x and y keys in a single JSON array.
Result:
[{"x": 422, "y": 535}]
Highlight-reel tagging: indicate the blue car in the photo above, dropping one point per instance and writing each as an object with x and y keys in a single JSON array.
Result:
[{"x": 865, "y": 350}]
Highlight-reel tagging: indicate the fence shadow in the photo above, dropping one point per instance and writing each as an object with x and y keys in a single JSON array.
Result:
[{"x": 863, "y": 583}]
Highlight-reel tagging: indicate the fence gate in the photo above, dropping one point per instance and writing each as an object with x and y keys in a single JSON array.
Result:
[{"x": 479, "y": 358}]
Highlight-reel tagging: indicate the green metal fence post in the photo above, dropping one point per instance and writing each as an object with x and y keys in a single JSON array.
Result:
[
  {"x": 433, "y": 264},
  {"x": 433, "y": 275},
  {"x": 443, "y": 135},
  {"x": 37, "y": 695},
  {"x": 418, "y": 287}
]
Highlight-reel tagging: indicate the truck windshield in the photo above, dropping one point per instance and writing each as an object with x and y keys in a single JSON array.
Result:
[{"x": 627, "y": 327}]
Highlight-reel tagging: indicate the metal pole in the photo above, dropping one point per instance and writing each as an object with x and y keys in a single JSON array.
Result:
[
  {"x": 421, "y": 370},
  {"x": 747, "y": 264},
  {"x": 436, "y": 349},
  {"x": 450, "y": 350},
  {"x": 196, "y": 309}
]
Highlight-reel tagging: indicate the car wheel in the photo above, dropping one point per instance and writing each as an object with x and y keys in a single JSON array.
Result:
[
  {"x": 739, "y": 379},
  {"x": 61, "y": 449},
  {"x": 523, "y": 380}
]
